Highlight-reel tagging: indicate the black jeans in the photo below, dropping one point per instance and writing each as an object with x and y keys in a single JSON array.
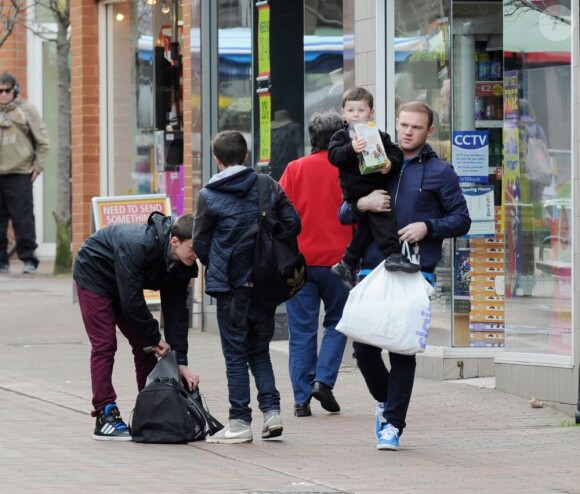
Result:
[
  {"x": 378, "y": 227},
  {"x": 16, "y": 205},
  {"x": 394, "y": 387}
]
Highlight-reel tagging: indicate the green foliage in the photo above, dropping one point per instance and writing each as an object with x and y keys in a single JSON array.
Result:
[
  {"x": 423, "y": 55},
  {"x": 63, "y": 257},
  {"x": 570, "y": 423}
]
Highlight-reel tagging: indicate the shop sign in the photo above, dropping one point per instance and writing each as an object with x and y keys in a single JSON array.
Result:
[
  {"x": 471, "y": 155},
  {"x": 115, "y": 210},
  {"x": 264, "y": 41},
  {"x": 511, "y": 98},
  {"x": 481, "y": 210},
  {"x": 265, "y": 101}
]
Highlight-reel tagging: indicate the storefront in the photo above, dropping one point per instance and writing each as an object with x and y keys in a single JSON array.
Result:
[
  {"x": 498, "y": 75},
  {"x": 172, "y": 74}
]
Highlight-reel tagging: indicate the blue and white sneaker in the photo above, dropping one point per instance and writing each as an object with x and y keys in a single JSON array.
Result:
[
  {"x": 388, "y": 438},
  {"x": 110, "y": 426},
  {"x": 380, "y": 419}
]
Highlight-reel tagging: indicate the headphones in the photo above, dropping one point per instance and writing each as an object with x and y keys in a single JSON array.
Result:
[{"x": 10, "y": 79}]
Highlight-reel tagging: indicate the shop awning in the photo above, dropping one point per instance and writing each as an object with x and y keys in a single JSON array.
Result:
[{"x": 321, "y": 53}]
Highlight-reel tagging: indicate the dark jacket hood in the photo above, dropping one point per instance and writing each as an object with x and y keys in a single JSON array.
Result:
[
  {"x": 236, "y": 180},
  {"x": 162, "y": 227}
]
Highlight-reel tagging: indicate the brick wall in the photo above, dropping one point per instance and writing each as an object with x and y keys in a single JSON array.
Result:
[
  {"x": 85, "y": 115},
  {"x": 13, "y": 57},
  {"x": 13, "y": 61}
]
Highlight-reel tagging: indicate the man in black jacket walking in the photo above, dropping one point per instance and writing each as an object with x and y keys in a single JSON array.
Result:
[{"x": 112, "y": 268}]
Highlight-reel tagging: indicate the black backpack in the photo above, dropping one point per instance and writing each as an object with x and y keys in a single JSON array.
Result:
[
  {"x": 161, "y": 415},
  {"x": 279, "y": 267},
  {"x": 167, "y": 412}
]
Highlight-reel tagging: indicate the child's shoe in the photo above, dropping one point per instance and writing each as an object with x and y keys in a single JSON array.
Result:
[
  {"x": 398, "y": 262},
  {"x": 345, "y": 273}
]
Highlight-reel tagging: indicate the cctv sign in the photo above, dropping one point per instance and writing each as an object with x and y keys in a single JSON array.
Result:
[{"x": 470, "y": 155}]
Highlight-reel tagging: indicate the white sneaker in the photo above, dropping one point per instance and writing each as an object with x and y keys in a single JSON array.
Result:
[
  {"x": 380, "y": 420},
  {"x": 236, "y": 431},
  {"x": 272, "y": 425},
  {"x": 29, "y": 268}
]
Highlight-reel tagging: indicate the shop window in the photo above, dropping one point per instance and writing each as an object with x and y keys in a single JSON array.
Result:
[
  {"x": 144, "y": 100},
  {"x": 477, "y": 121},
  {"x": 196, "y": 106},
  {"x": 422, "y": 72},
  {"x": 130, "y": 58},
  {"x": 538, "y": 177},
  {"x": 512, "y": 92},
  {"x": 234, "y": 81},
  {"x": 323, "y": 57},
  {"x": 304, "y": 75}
]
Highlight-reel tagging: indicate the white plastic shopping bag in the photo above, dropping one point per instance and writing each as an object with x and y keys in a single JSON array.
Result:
[{"x": 390, "y": 310}]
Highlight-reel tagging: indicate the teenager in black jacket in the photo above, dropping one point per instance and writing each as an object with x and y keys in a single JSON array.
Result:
[{"x": 111, "y": 270}]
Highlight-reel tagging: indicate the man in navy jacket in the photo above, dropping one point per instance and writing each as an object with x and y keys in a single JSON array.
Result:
[{"x": 429, "y": 207}]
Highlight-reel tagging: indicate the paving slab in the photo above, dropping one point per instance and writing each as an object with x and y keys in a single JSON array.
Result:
[{"x": 460, "y": 438}]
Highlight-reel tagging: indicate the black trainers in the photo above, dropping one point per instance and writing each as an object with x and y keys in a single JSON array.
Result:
[
  {"x": 398, "y": 262},
  {"x": 347, "y": 274},
  {"x": 110, "y": 425},
  {"x": 4, "y": 268}
]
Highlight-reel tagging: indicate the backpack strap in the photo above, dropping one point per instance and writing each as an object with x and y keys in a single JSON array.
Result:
[
  {"x": 264, "y": 195},
  {"x": 264, "y": 183}
]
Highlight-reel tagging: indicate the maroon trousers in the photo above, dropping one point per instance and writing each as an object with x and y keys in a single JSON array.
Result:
[{"x": 101, "y": 318}]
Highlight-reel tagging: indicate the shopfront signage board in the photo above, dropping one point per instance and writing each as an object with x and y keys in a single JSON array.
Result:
[
  {"x": 470, "y": 155},
  {"x": 115, "y": 210}
]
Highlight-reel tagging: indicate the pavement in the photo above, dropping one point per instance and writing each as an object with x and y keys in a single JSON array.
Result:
[{"x": 461, "y": 436}]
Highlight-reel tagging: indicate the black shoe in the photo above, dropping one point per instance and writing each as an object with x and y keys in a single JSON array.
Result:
[
  {"x": 398, "y": 262},
  {"x": 324, "y": 395},
  {"x": 302, "y": 410},
  {"x": 345, "y": 273},
  {"x": 4, "y": 268},
  {"x": 110, "y": 425}
]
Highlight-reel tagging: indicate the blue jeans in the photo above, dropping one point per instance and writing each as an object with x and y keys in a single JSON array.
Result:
[
  {"x": 246, "y": 330},
  {"x": 303, "y": 311}
]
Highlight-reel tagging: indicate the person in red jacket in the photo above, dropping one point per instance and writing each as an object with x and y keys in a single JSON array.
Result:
[{"x": 312, "y": 184}]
